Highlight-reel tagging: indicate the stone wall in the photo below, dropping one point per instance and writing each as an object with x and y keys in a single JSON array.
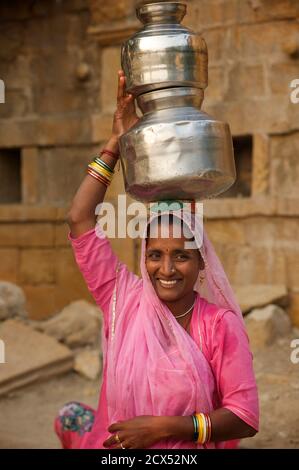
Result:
[{"x": 59, "y": 61}]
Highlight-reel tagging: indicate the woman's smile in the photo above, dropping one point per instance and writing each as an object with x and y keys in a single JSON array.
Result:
[{"x": 168, "y": 284}]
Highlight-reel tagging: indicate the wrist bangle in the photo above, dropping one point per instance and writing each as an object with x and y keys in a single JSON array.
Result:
[
  {"x": 110, "y": 153},
  {"x": 195, "y": 424}
]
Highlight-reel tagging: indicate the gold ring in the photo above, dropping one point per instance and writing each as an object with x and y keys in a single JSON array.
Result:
[{"x": 117, "y": 438}]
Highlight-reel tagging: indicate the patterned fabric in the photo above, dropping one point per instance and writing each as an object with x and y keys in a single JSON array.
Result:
[{"x": 72, "y": 422}]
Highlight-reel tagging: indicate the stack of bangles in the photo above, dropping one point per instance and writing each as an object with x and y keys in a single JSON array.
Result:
[
  {"x": 100, "y": 170},
  {"x": 202, "y": 428}
]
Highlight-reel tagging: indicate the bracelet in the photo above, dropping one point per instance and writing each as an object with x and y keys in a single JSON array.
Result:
[
  {"x": 195, "y": 424},
  {"x": 102, "y": 171},
  {"x": 110, "y": 153},
  {"x": 103, "y": 164},
  {"x": 98, "y": 177},
  {"x": 202, "y": 427}
]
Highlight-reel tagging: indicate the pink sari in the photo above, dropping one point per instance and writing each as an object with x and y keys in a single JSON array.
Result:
[{"x": 152, "y": 366}]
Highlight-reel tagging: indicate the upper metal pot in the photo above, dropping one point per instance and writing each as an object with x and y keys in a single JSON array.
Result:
[{"x": 164, "y": 53}]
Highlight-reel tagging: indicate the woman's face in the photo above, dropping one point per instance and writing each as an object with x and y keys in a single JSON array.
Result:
[{"x": 172, "y": 268}]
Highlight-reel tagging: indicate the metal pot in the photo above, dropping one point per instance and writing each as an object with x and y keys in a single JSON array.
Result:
[
  {"x": 176, "y": 151},
  {"x": 164, "y": 53}
]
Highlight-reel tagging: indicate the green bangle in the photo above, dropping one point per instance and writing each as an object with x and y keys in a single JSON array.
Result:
[
  {"x": 104, "y": 164},
  {"x": 195, "y": 423}
]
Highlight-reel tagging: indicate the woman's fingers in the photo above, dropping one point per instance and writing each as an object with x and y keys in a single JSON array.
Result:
[{"x": 121, "y": 85}]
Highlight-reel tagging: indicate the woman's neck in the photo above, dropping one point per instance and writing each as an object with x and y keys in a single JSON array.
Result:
[{"x": 179, "y": 307}]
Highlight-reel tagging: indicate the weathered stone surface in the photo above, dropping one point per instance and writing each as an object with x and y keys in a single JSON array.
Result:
[
  {"x": 256, "y": 296},
  {"x": 225, "y": 231},
  {"x": 217, "y": 41},
  {"x": 265, "y": 10},
  {"x": 40, "y": 300},
  {"x": 69, "y": 280},
  {"x": 61, "y": 172},
  {"x": 265, "y": 325},
  {"x": 23, "y": 212},
  {"x": 109, "y": 12},
  {"x": 12, "y": 301},
  {"x": 294, "y": 310},
  {"x": 9, "y": 265},
  {"x": 46, "y": 131},
  {"x": 253, "y": 264},
  {"x": 249, "y": 116},
  {"x": 29, "y": 169},
  {"x": 12, "y": 40},
  {"x": 88, "y": 363},
  {"x": 37, "y": 266},
  {"x": 101, "y": 127},
  {"x": 61, "y": 233},
  {"x": 217, "y": 83},
  {"x": 260, "y": 165},
  {"x": 256, "y": 40},
  {"x": 27, "y": 235},
  {"x": 111, "y": 64},
  {"x": 245, "y": 81},
  {"x": 77, "y": 325},
  {"x": 16, "y": 104},
  {"x": 239, "y": 208},
  {"x": 281, "y": 75},
  {"x": 284, "y": 174},
  {"x": 30, "y": 356}
]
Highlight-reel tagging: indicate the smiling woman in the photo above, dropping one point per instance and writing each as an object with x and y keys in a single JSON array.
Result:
[
  {"x": 173, "y": 269},
  {"x": 177, "y": 368}
]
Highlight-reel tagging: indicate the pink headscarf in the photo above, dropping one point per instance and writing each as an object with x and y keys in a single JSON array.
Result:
[{"x": 154, "y": 367}]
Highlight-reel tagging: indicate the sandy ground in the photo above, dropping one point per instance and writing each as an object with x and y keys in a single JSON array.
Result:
[{"x": 27, "y": 415}]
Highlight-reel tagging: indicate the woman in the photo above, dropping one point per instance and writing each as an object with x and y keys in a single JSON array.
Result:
[{"x": 177, "y": 369}]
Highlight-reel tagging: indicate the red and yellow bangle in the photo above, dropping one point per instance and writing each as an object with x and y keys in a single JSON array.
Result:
[
  {"x": 202, "y": 427},
  {"x": 100, "y": 170},
  {"x": 98, "y": 177}
]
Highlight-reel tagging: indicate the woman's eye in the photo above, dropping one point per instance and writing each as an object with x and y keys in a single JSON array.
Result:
[
  {"x": 181, "y": 257},
  {"x": 154, "y": 256}
]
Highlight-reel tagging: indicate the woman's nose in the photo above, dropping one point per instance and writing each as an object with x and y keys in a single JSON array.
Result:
[{"x": 167, "y": 267}]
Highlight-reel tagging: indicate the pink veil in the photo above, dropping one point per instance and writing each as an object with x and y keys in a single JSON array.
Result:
[{"x": 154, "y": 367}]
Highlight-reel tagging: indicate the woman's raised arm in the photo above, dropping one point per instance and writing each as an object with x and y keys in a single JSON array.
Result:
[{"x": 81, "y": 216}]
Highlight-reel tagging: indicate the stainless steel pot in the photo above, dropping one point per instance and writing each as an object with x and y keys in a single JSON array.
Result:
[
  {"x": 176, "y": 151},
  {"x": 164, "y": 53}
]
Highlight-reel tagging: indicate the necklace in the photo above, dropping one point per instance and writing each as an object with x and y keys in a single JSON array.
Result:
[{"x": 184, "y": 314}]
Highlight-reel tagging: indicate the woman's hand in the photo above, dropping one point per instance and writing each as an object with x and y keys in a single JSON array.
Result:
[
  {"x": 137, "y": 433},
  {"x": 125, "y": 115}
]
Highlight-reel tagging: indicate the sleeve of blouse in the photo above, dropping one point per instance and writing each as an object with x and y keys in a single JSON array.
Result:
[
  {"x": 232, "y": 364},
  {"x": 97, "y": 263}
]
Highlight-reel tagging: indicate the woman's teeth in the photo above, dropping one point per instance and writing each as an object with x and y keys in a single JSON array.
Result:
[{"x": 168, "y": 283}]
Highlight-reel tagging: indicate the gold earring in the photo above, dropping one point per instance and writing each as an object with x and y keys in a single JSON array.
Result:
[{"x": 201, "y": 278}]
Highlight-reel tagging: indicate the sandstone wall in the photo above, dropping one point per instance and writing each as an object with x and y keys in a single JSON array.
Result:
[{"x": 59, "y": 61}]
